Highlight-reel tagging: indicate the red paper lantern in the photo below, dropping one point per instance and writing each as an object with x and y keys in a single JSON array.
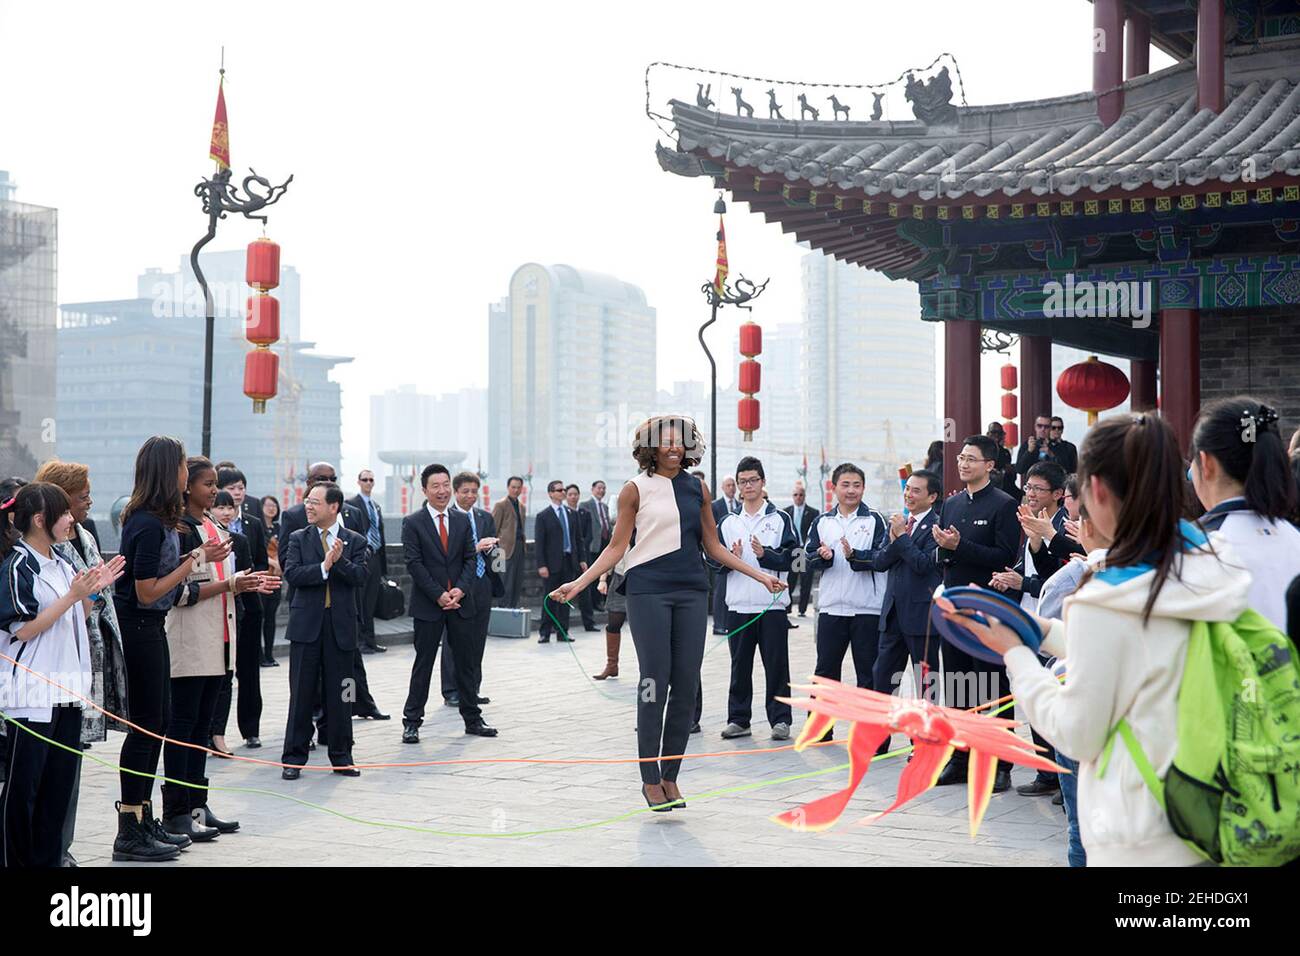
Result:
[
  {"x": 1092, "y": 386},
  {"x": 1009, "y": 406},
  {"x": 1009, "y": 380},
  {"x": 751, "y": 374},
  {"x": 262, "y": 319},
  {"x": 261, "y": 372},
  {"x": 747, "y": 416},
  {"x": 751, "y": 339},
  {"x": 1013, "y": 434},
  {"x": 262, "y": 269}
]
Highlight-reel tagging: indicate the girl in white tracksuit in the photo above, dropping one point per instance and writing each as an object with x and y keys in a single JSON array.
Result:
[{"x": 1124, "y": 638}]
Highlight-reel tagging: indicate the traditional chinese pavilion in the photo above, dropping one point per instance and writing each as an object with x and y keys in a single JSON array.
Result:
[{"x": 1186, "y": 181}]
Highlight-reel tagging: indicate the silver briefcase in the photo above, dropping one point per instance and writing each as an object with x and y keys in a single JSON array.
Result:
[{"x": 509, "y": 622}]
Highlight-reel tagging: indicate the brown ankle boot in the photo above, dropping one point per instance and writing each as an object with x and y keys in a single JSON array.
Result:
[{"x": 612, "y": 642}]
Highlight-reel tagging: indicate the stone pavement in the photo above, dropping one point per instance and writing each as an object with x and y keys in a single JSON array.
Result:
[{"x": 545, "y": 707}]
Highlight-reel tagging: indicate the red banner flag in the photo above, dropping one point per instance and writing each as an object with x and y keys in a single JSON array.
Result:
[
  {"x": 720, "y": 277},
  {"x": 220, "y": 148}
]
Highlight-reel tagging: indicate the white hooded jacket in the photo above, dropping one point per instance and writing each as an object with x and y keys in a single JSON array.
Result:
[{"x": 1117, "y": 668}]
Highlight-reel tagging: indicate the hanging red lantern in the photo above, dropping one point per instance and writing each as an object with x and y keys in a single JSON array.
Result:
[
  {"x": 1013, "y": 434},
  {"x": 1009, "y": 381},
  {"x": 747, "y": 416},
  {"x": 261, "y": 369},
  {"x": 1093, "y": 387},
  {"x": 751, "y": 339},
  {"x": 1009, "y": 407},
  {"x": 262, "y": 319},
  {"x": 750, "y": 376},
  {"x": 262, "y": 269}
]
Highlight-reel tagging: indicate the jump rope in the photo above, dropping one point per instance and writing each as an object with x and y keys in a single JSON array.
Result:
[{"x": 1002, "y": 704}]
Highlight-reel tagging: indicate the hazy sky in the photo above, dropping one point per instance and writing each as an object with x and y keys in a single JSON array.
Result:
[{"x": 436, "y": 147}]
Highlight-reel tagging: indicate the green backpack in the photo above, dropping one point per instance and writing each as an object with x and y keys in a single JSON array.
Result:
[{"x": 1233, "y": 790}]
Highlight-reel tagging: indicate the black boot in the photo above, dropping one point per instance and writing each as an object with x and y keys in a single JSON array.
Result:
[
  {"x": 199, "y": 805},
  {"x": 134, "y": 842},
  {"x": 178, "y": 840},
  {"x": 179, "y": 819}
]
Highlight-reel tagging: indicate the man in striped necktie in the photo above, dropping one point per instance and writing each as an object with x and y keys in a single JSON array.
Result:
[
  {"x": 486, "y": 585},
  {"x": 372, "y": 527}
]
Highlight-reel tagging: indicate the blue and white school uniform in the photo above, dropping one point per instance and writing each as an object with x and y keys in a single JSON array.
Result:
[
  {"x": 41, "y": 777},
  {"x": 1270, "y": 550}
]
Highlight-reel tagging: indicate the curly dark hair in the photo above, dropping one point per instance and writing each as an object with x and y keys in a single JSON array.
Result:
[{"x": 647, "y": 440}]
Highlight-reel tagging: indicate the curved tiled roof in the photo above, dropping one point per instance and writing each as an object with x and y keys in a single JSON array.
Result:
[{"x": 1034, "y": 148}]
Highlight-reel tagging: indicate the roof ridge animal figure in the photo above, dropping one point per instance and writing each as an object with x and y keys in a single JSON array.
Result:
[
  {"x": 741, "y": 104},
  {"x": 773, "y": 108},
  {"x": 805, "y": 109},
  {"x": 875, "y": 107},
  {"x": 839, "y": 107},
  {"x": 702, "y": 95}
]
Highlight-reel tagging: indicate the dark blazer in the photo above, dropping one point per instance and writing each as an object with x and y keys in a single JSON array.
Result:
[
  {"x": 295, "y": 519},
  {"x": 548, "y": 539},
  {"x": 913, "y": 576},
  {"x": 243, "y": 562},
  {"x": 990, "y": 536},
  {"x": 301, "y": 563},
  {"x": 359, "y": 503},
  {"x": 810, "y": 515},
  {"x": 720, "y": 510},
  {"x": 1044, "y": 563},
  {"x": 254, "y": 531},
  {"x": 490, "y": 585},
  {"x": 431, "y": 567}
]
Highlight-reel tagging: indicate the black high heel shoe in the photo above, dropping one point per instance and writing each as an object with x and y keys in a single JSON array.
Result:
[
  {"x": 677, "y": 801},
  {"x": 656, "y": 807}
]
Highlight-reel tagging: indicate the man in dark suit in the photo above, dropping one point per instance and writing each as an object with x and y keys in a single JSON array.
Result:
[
  {"x": 487, "y": 584},
  {"x": 728, "y": 504},
  {"x": 978, "y": 535},
  {"x": 439, "y": 548},
  {"x": 585, "y": 531},
  {"x": 372, "y": 526},
  {"x": 802, "y": 517},
  {"x": 602, "y": 528},
  {"x": 560, "y": 555},
  {"x": 913, "y": 576},
  {"x": 294, "y": 519},
  {"x": 326, "y": 563}
]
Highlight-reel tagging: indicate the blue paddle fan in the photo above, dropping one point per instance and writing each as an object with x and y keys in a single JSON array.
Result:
[{"x": 986, "y": 604}]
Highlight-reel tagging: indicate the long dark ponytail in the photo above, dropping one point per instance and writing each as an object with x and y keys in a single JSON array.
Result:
[
  {"x": 1137, "y": 456},
  {"x": 156, "y": 491},
  {"x": 1242, "y": 434}
]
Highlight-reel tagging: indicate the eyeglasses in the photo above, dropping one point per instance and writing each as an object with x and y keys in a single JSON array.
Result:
[
  {"x": 1043, "y": 489},
  {"x": 327, "y": 478},
  {"x": 1058, "y": 428},
  {"x": 747, "y": 482},
  {"x": 968, "y": 460},
  {"x": 366, "y": 481}
]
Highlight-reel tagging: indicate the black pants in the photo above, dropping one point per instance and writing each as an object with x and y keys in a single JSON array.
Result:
[
  {"x": 467, "y": 648},
  {"x": 568, "y": 572},
  {"x": 447, "y": 666},
  {"x": 668, "y": 631},
  {"x": 319, "y": 665},
  {"x": 719, "y": 601},
  {"x": 363, "y": 702},
  {"x": 969, "y": 682},
  {"x": 514, "y": 577},
  {"x": 370, "y": 600},
  {"x": 770, "y": 634},
  {"x": 836, "y": 635},
  {"x": 270, "y": 604},
  {"x": 194, "y": 701},
  {"x": 39, "y": 781},
  {"x": 248, "y": 671},
  {"x": 801, "y": 581},
  {"x": 149, "y": 703},
  {"x": 587, "y": 604}
]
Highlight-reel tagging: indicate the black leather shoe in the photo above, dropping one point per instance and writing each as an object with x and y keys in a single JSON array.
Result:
[
  {"x": 590, "y": 627},
  {"x": 952, "y": 774},
  {"x": 695, "y": 728},
  {"x": 185, "y": 824},
  {"x": 290, "y": 773},
  {"x": 347, "y": 771},
  {"x": 311, "y": 745},
  {"x": 1002, "y": 780},
  {"x": 452, "y": 701},
  {"x": 544, "y": 639},
  {"x": 252, "y": 743},
  {"x": 481, "y": 730},
  {"x": 1038, "y": 788},
  {"x": 410, "y": 735},
  {"x": 367, "y": 649},
  {"x": 378, "y": 648},
  {"x": 375, "y": 714},
  {"x": 207, "y": 818},
  {"x": 268, "y": 662},
  {"x": 564, "y": 638},
  {"x": 484, "y": 700}
]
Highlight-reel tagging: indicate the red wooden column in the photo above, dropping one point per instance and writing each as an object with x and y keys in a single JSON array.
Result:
[
  {"x": 1180, "y": 370},
  {"x": 1142, "y": 382},
  {"x": 1035, "y": 381},
  {"x": 1108, "y": 58},
  {"x": 1137, "y": 47},
  {"x": 961, "y": 393},
  {"x": 1209, "y": 55}
]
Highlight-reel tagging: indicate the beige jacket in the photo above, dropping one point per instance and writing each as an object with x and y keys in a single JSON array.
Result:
[
  {"x": 503, "y": 515},
  {"x": 195, "y": 636}
]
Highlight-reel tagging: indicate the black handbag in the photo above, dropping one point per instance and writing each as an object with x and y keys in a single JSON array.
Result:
[{"x": 392, "y": 602}]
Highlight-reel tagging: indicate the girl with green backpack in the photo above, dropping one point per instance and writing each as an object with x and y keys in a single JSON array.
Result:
[{"x": 1125, "y": 640}]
